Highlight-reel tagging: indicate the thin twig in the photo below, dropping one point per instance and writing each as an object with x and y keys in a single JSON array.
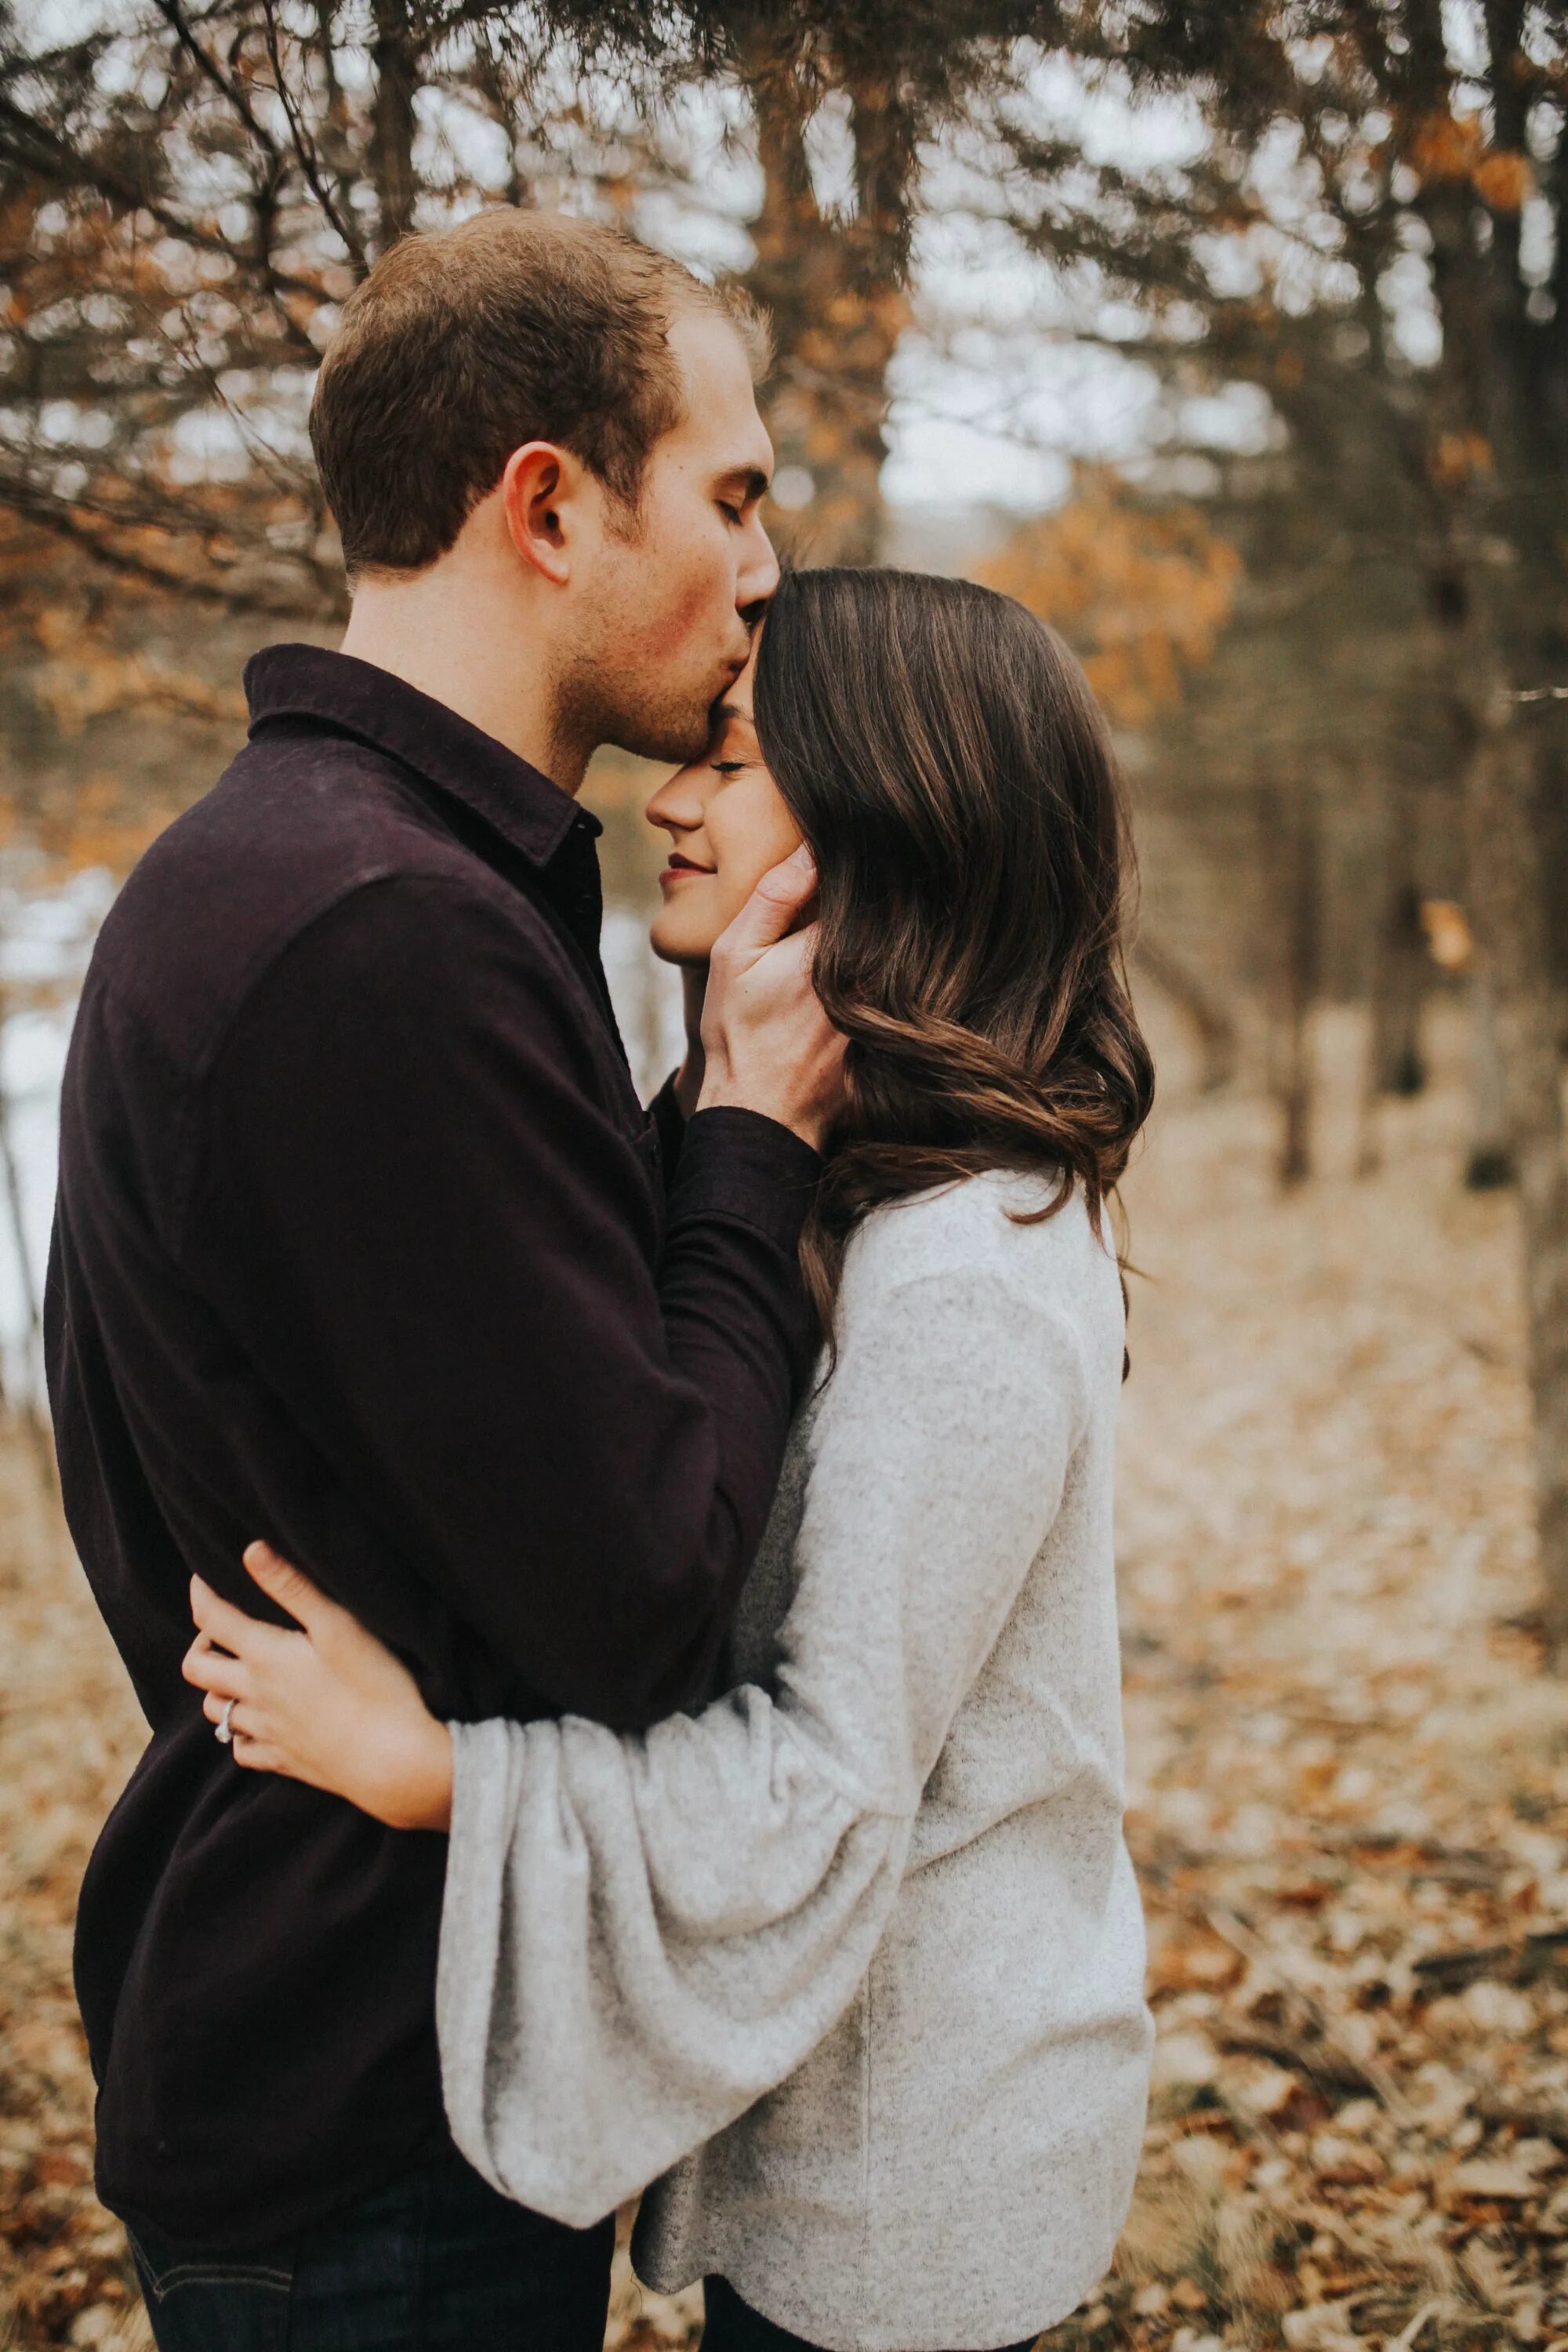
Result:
[
  {"x": 1330, "y": 2071},
  {"x": 57, "y": 516},
  {"x": 305, "y": 147},
  {"x": 1404, "y": 2341},
  {"x": 272, "y": 462},
  {"x": 1235, "y": 1932},
  {"x": 38, "y": 148},
  {"x": 226, "y": 85}
]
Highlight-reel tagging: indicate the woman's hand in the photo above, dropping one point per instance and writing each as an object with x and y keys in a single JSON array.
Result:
[{"x": 330, "y": 1704}]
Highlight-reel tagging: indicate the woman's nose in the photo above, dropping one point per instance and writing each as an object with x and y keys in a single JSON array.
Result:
[{"x": 677, "y": 806}]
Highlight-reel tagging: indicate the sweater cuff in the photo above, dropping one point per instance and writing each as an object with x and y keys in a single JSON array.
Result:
[{"x": 749, "y": 1170}]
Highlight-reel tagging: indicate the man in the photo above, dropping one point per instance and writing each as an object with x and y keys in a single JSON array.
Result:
[{"x": 364, "y": 1243}]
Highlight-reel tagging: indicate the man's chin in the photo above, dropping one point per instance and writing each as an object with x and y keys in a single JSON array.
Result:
[
  {"x": 669, "y": 740},
  {"x": 678, "y": 731}
]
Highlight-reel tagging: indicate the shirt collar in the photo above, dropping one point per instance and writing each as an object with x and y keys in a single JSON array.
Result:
[{"x": 519, "y": 803}]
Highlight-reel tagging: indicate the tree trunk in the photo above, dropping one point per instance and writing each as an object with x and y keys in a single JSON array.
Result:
[
  {"x": 396, "y": 65},
  {"x": 1399, "y": 993},
  {"x": 1208, "y": 1018},
  {"x": 1397, "y": 981},
  {"x": 1498, "y": 445},
  {"x": 1291, "y": 825},
  {"x": 1509, "y": 843},
  {"x": 832, "y": 290},
  {"x": 1503, "y": 839},
  {"x": 1489, "y": 1166},
  {"x": 1293, "y": 1081}
]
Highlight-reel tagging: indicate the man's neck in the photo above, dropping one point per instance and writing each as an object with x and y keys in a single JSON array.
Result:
[{"x": 468, "y": 650}]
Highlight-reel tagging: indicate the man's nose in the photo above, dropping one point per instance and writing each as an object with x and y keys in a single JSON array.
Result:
[{"x": 758, "y": 576}]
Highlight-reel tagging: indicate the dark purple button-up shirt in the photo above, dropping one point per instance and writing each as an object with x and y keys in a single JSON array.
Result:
[{"x": 363, "y": 1244}]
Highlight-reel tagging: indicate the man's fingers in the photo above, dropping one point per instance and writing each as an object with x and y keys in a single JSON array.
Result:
[
  {"x": 777, "y": 901},
  {"x": 289, "y": 1586}
]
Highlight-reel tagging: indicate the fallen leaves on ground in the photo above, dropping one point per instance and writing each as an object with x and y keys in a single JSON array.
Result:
[
  {"x": 1347, "y": 1769},
  {"x": 1348, "y": 1777}
]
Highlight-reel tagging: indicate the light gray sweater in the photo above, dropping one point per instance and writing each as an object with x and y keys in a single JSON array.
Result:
[{"x": 857, "y": 1949}]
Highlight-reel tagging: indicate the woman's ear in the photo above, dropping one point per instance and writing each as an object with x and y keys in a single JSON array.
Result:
[{"x": 540, "y": 490}]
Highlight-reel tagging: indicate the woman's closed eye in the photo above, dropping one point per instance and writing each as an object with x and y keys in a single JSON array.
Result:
[{"x": 728, "y": 767}]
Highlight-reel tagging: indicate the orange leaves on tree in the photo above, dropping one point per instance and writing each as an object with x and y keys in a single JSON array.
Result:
[
  {"x": 73, "y": 647},
  {"x": 1502, "y": 179},
  {"x": 86, "y": 678},
  {"x": 1142, "y": 593},
  {"x": 1456, "y": 459},
  {"x": 1449, "y": 147},
  {"x": 1444, "y": 146},
  {"x": 97, "y": 826},
  {"x": 1449, "y": 940}
]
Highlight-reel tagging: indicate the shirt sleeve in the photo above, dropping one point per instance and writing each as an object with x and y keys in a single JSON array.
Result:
[
  {"x": 435, "y": 1237},
  {"x": 642, "y": 1935},
  {"x": 669, "y": 1126}
]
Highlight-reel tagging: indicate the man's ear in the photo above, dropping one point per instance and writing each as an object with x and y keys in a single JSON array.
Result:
[{"x": 541, "y": 492}]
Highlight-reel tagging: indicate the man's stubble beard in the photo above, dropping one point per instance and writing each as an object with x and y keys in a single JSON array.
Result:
[
  {"x": 607, "y": 699},
  {"x": 601, "y": 703}
]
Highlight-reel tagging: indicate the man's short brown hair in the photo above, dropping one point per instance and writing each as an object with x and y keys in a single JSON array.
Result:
[{"x": 461, "y": 346}]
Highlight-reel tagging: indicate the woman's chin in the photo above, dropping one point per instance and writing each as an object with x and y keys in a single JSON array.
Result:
[{"x": 678, "y": 943}]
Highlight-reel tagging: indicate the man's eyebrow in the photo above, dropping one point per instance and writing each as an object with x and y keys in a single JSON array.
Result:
[{"x": 751, "y": 481}]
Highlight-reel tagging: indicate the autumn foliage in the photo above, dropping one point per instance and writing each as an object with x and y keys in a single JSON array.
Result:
[{"x": 1140, "y": 592}]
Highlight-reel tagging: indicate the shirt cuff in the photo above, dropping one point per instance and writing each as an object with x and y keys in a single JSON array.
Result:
[
  {"x": 669, "y": 1126},
  {"x": 740, "y": 1166}
]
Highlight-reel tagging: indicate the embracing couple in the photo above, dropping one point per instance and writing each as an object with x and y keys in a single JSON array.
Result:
[{"x": 670, "y": 1741}]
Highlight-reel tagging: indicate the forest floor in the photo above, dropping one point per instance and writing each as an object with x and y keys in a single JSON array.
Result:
[{"x": 1349, "y": 1781}]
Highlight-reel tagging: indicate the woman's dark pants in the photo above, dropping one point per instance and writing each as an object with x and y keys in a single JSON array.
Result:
[
  {"x": 438, "y": 2262},
  {"x": 735, "y": 2327}
]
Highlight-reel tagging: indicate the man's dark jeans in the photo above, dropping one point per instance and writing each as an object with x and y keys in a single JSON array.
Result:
[
  {"x": 735, "y": 2327},
  {"x": 438, "y": 2262}
]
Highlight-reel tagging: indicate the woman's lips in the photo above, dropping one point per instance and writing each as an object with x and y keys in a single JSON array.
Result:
[{"x": 679, "y": 867}]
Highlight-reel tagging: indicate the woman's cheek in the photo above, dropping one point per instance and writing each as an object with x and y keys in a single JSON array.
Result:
[
  {"x": 678, "y": 937},
  {"x": 686, "y": 928},
  {"x": 735, "y": 888}
]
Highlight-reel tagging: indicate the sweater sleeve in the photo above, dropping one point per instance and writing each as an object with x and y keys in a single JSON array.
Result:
[{"x": 643, "y": 1933}]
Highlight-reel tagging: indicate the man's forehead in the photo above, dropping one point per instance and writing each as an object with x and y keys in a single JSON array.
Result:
[{"x": 721, "y": 401}]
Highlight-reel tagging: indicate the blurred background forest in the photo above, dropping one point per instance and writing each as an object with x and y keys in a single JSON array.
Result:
[{"x": 1233, "y": 339}]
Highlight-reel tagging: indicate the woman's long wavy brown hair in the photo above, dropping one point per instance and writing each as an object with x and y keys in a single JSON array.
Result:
[{"x": 942, "y": 754}]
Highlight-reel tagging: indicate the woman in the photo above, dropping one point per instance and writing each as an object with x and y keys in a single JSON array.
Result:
[{"x": 853, "y": 1957}]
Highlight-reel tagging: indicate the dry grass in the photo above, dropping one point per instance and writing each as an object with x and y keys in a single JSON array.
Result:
[{"x": 1348, "y": 1782}]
